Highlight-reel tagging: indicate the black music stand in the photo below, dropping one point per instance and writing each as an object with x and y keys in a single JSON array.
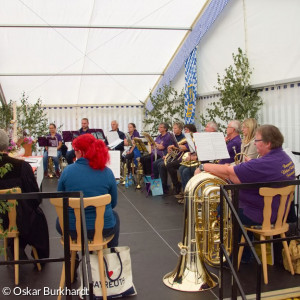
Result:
[{"x": 98, "y": 134}]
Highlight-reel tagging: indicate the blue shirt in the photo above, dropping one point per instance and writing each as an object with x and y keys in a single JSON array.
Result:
[{"x": 81, "y": 177}]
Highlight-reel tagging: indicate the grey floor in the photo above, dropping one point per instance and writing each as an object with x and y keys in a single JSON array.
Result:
[{"x": 152, "y": 228}]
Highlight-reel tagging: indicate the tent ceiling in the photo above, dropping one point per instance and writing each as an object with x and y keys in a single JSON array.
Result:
[{"x": 89, "y": 51}]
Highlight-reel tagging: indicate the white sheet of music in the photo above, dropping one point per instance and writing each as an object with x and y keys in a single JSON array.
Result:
[
  {"x": 190, "y": 142},
  {"x": 210, "y": 145},
  {"x": 294, "y": 159},
  {"x": 52, "y": 151},
  {"x": 112, "y": 136},
  {"x": 114, "y": 164}
]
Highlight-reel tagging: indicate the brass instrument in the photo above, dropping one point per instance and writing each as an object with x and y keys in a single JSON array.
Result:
[
  {"x": 189, "y": 163},
  {"x": 128, "y": 138},
  {"x": 201, "y": 236},
  {"x": 50, "y": 167},
  {"x": 238, "y": 157},
  {"x": 139, "y": 174},
  {"x": 62, "y": 163},
  {"x": 175, "y": 153}
]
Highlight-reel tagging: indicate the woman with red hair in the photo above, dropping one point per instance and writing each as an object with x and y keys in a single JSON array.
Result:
[{"x": 90, "y": 175}]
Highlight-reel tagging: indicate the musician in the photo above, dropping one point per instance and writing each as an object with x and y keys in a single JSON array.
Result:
[
  {"x": 31, "y": 221},
  {"x": 54, "y": 139},
  {"x": 233, "y": 141},
  {"x": 248, "y": 148},
  {"x": 162, "y": 142},
  {"x": 133, "y": 152},
  {"x": 272, "y": 165},
  {"x": 186, "y": 173},
  {"x": 161, "y": 170},
  {"x": 70, "y": 155},
  {"x": 115, "y": 127}
]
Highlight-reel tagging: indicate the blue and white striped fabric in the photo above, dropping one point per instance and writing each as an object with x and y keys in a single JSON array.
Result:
[{"x": 190, "y": 87}]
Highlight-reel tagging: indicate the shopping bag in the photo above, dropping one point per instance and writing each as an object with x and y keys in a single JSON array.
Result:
[
  {"x": 153, "y": 186},
  {"x": 118, "y": 274}
]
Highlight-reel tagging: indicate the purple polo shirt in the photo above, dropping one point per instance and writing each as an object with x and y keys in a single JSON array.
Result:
[
  {"x": 134, "y": 134},
  {"x": 166, "y": 140},
  {"x": 235, "y": 142},
  {"x": 275, "y": 166},
  {"x": 53, "y": 141}
]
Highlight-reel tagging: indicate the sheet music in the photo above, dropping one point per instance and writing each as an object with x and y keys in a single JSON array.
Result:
[
  {"x": 190, "y": 142},
  {"x": 210, "y": 145},
  {"x": 294, "y": 159},
  {"x": 112, "y": 136},
  {"x": 52, "y": 151},
  {"x": 115, "y": 144},
  {"x": 114, "y": 164}
]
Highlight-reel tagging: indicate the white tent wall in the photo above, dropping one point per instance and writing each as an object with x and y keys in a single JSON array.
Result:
[
  {"x": 100, "y": 116},
  {"x": 266, "y": 30}
]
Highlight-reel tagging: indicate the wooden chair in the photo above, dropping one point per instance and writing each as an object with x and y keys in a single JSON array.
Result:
[
  {"x": 97, "y": 244},
  {"x": 267, "y": 229},
  {"x": 13, "y": 232}
]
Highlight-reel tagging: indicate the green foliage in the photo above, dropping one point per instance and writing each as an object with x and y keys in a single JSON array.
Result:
[
  {"x": 238, "y": 101},
  {"x": 6, "y": 115},
  {"x": 31, "y": 118},
  {"x": 168, "y": 108}
]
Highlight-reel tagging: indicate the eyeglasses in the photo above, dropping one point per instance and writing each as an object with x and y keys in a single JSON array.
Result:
[{"x": 258, "y": 141}]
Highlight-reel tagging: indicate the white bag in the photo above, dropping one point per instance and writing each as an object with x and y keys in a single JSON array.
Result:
[{"x": 118, "y": 275}]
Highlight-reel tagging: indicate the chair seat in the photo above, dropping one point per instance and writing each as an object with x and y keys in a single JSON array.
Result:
[
  {"x": 268, "y": 232},
  {"x": 77, "y": 247}
]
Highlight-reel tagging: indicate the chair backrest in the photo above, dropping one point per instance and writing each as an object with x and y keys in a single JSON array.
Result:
[
  {"x": 12, "y": 213},
  {"x": 286, "y": 195},
  {"x": 99, "y": 202}
]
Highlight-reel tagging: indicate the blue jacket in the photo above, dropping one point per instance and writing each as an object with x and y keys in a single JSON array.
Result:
[{"x": 81, "y": 177}]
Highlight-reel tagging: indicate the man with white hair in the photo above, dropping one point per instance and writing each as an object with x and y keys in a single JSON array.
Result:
[
  {"x": 31, "y": 221},
  {"x": 115, "y": 127},
  {"x": 233, "y": 141}
]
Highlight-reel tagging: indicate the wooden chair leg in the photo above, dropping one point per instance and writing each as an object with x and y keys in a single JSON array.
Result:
[
  {"x": 73, "y": 257},
  {"x": 102, "y": 274},
  {"x": 5, "y": 248},
  {"x": 264, "y": 259},
  {"x": 241, "y": 250},
  {"x": 287, "y": 254},
  {"x": 16, "y": 257},
  {"x": 62, "y": 281},
  {"x": 35, "y": 255}
]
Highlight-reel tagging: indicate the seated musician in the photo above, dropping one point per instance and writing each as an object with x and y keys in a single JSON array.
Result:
[
  {"x": 70, "y": 155},
  {"x": 272, "y": 165},
  {"x": 159, "y": 167},
  {"x": 187, "y": 172},
  {"x": 31, "y": 221},
  {"x": 233, "y": 141},
  {"x": 133, "y": 152},
  {"x": 161, "y": 142},
  {"x": 54, "y": 139},
  {"x": 115, "y": 127},
  {"x": 248, "y": 149}
]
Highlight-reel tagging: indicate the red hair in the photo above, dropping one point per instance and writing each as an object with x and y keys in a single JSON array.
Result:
[{"x": 95, "y": 151}]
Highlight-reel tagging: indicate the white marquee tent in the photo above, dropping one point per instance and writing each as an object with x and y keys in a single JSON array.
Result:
[{"x": 100, "y": 58}]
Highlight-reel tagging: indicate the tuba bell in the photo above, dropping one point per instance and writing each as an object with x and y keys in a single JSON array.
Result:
[{"x": 201, "y": 235}]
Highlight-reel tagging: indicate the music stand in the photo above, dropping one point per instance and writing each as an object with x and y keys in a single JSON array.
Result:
[
  {"x": 140, "y": 145},
  {"x": 69, "y": 135},
  {"x": 98, "y": 134},
  {"x": 42, "y": 141}
]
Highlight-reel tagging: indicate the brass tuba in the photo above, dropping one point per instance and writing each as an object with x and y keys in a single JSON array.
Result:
[{"x": 201, "y": 236}]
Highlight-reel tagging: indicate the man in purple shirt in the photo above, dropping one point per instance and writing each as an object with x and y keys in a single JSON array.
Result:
[
  {"x": 273, "y": 165},
  {"x": 233, "y": 141},
  {"x": 162, "y": 142}
]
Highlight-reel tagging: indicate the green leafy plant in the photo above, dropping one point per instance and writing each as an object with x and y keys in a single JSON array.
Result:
[
  {"x": 31, "y": 118},
  {"x": 238, "y": 101},
  {"x": 6, "y": 115},
  {"x": 168, "y": 107}
]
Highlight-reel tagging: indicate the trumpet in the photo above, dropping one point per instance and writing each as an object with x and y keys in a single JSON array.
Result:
[{"x": 175, "y": 154}]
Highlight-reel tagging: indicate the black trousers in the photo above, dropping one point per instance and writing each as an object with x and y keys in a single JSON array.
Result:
[
  {"x": 170, "y": 168},
  {"x": 146, "y": 162},
  {"x": 127, "y": 159}
]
